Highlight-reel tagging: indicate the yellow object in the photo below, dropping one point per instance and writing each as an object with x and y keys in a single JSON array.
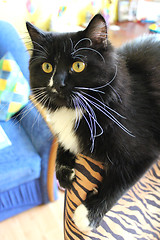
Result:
[
  {"x": 47, "y": 67},
  {"x": 113, "y": 10},
  {"x": 14, "y": 107},
  {"x": 78, "y": 66},
  {"x": 8, "y": 65},
  {"x": 19, "y": 88},
  {"x": 153, "y": 26},
  {"x": 3, "y": 84}
]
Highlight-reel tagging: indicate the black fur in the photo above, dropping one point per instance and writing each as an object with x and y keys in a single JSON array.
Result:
[{"x": 133, "y": 92}]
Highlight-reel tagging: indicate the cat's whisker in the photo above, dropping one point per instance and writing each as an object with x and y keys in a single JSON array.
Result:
[
  {"x": 36, "y": 58},
  {"x": 77, "y": 122},
  {"x": 36, "y": 50},
  {"x": 110, "y": 159},
  {"x": 78, "y": 58},
  {"x": 90, "y": 89},
  {"x": 38, "y": 88},
  {"x": 44, "y": 49},
  {"x": 72, "y": 48},
  {"x": 108, "y": 114},
  {"x": 105, "y": 85},
  {"x": 92, "y": 124},
  {"x": 49, "y": 104},
  {"x": 90, "y": 127},
  {"x": 79, "y": 55},
  {"x": 83, "y": 39},
  {"x": 115, "y": 93},
  {"x": 37, "y": 96},
  {"x": 20, "y": 113},
  {"x": 93, "y": 115},
  {"x": 86, "y": 110},
  {"x": 39, "y": 54},
  {"x": 36, "y": 119},
  {"x": 35, "y": 92},
  {"x": 90, "y": 49},
  {"x": 111, "y": 117},
  {"x": 25, "y": 110},
  {"x": 104, "y": 105},
  {"x": 23, "y": 114},
  {"x": 45, "y": 101},
  {"x": 92, "y": 118}
]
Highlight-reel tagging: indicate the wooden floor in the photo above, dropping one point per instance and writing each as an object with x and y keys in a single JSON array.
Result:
[
  {"x": 127, "y": 31},
  {"x": 40, "y": 223}
]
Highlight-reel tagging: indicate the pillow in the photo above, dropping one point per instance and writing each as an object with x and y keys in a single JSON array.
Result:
[{"x": 14, "y": 88}]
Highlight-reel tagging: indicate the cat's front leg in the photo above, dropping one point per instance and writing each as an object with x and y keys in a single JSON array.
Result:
[
  {"x": 65, "y": 164},
  {"x": 89, "y": 214}
]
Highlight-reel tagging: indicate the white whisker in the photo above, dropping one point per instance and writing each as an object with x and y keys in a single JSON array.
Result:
[
  {"x": 109, "y": 81},
  {"x": 44, "y": 49},
  {"x": 90, "y": 89},
  {"x": 108, "y": 114},
  {"x": 90, "y": 49},
  {"x": 83, "y": 39},
  {"x": 93, "y": 115},
  {"x": 77, "y": 122},
  {"x": 104, "y": 105},
  {"x": 115, "y": 93}
]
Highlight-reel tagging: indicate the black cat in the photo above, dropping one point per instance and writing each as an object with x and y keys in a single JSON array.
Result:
[{"x": 102, "y": 102}]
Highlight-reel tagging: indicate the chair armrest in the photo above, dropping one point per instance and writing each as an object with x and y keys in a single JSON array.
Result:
[
  {"x": 41, "y": 137},
  {"x": 36, "y": 128}
]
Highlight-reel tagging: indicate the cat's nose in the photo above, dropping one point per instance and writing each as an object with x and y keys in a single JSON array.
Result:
[{"x": 60, "y": 81}]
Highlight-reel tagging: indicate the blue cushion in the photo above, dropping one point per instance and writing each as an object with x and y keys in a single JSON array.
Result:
[
  {"x": 14, "y": 88},
  {"x": 10, "y": 41},
  {"x": 19, "y": 162}
]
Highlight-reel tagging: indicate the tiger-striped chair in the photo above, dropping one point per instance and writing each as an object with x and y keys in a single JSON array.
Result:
[{"x": 135, "y": 216}]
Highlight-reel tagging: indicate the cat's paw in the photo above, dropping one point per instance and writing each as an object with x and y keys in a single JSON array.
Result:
[
  {"x": 81, "y": 219},
  {"x": 87, "y": 216},
  {"x": 65, "y": 176}
]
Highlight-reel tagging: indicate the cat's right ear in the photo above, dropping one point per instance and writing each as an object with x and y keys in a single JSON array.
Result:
[
  {"x": 96, "y": 30},
  {"x": 35, "y": 33}
]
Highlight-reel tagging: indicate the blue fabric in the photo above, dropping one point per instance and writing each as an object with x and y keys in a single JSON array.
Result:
[
  {"x": 31, "y": 142},
  {"x": 36, "y": 128},
  {"x": 19, "y": 163},
  {"x": 14, "y": 90},
  {"x": 19, "y": 199},
  {"x": 11, "y": 42}
]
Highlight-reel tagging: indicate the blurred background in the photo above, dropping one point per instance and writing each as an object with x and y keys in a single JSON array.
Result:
[{"x": 71, "y": 15}]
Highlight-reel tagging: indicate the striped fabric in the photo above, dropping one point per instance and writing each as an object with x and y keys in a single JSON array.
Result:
[{"x": 135, "y": 216}]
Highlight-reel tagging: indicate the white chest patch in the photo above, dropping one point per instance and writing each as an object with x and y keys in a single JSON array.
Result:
[{"x": 63, "y": 122}]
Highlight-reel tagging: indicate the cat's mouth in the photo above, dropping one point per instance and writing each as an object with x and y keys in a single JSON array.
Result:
[
  {"x": 53, "y": 90},
  {"x": 59, "y": 99}
]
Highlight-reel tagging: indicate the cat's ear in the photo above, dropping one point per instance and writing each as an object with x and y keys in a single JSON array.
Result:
[
  {"x": 35, "y": 33},
  {"x": 97, "y": 30}
]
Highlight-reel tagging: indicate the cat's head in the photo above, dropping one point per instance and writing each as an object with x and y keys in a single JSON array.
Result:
[{"x": 64, "y": 65}]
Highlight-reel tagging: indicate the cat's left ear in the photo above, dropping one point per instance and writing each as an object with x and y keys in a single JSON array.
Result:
[
  {"x": 35, "y": 33},
  {"x": 97, "y": 30}
]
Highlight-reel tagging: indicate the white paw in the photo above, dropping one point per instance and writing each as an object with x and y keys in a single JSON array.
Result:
[
  {"x": 81, "y": 220},
  {"x": 73, "y": 174}
]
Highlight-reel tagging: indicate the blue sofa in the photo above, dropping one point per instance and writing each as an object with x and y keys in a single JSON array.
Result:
[{"x": 24, "y": 163}]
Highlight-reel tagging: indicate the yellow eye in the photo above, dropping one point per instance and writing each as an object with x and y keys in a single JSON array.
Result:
[
  {"x": 47, "y": 67},
  {"x": 78, "y": 66}
]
